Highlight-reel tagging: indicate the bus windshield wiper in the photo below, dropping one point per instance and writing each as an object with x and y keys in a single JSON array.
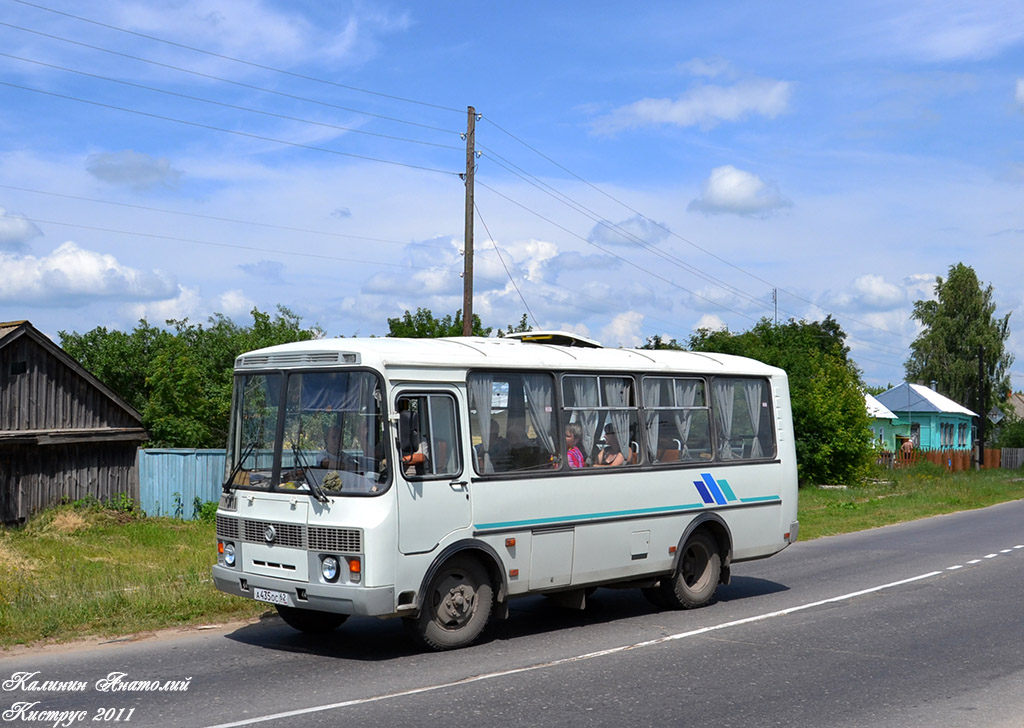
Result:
[
  {"x": 314, "y": 487},
  {"x": 226, "y": 488}
]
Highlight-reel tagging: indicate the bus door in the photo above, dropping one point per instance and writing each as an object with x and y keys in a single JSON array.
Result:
[{"x": 433, "y": 495}]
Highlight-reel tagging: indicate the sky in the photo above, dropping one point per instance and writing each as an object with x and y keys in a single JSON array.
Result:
[{"x": 643, "y": 169}]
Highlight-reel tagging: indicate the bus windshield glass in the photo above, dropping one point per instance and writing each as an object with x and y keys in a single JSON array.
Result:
[{"x": 332, "y": 432}]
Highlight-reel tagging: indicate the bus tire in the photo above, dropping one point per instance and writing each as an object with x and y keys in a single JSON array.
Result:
[
  {"x": 310, "y": 620},
  {"x": 456, "y": 605},
  {"x": 697, "y": 573}
]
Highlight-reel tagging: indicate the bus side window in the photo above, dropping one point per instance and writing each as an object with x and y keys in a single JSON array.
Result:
[{"x": 427, "y": 436}]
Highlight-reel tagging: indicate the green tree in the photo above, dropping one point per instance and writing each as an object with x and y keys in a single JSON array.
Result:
[
  {"x": 656, "y": 342},
  {"x": 829, "y": 417},
  {"x": 180, "y": 379},
  {"x": 423, "y": 325},
  {"x": 956, "y": 325},
  {"x": 521, "y": 328}
]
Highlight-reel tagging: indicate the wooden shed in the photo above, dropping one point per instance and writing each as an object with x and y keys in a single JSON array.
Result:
[{"x": 64, "y": 435}]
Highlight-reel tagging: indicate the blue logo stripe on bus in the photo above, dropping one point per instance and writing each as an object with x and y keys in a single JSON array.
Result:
[
  {"x": 727, "y": 489},
  {"x": 587, "y": 516},
  {"x": 713, "y": 488},
  {"x": 704, "y": 493}
]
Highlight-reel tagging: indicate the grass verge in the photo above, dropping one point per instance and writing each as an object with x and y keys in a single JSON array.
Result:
[
  {"x": 72, "y": 572},
  {"x": 87, "y": 571}
]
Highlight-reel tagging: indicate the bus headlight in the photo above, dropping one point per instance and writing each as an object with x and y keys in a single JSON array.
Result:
[
  {"x": 229, "y": 554},
  {"x": 329, "y": 568}
]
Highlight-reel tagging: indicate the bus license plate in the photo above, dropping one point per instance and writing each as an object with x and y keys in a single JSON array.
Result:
[{"x": 267, "y": 595}]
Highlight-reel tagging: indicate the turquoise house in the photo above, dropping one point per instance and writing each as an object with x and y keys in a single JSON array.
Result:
[
  {"x": 883, "y": 431},
  {"x": 931, "y": 420}
]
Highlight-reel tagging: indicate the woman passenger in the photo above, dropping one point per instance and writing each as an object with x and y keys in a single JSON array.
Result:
[{"x": 611, "y": 453}]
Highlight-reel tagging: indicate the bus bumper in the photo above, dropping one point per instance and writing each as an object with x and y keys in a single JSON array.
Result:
[{"x": 354, "y": 600}]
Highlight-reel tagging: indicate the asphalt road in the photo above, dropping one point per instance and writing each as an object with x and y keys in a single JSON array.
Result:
[{"x": 911, "y": 625}]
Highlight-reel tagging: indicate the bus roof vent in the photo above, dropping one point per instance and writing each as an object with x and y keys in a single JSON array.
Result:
[
  {"x": 556, "y": 338},
  {"x": 297, "y": 357}
]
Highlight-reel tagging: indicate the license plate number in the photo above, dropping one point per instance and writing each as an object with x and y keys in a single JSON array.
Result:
[{"x": 268, "y": 595}]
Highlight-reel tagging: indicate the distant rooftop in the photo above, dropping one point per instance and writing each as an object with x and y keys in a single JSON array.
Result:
[{"x": 908, "y": 397}]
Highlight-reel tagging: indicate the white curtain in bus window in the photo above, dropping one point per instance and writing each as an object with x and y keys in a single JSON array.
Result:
[
  {"x": 443, "y": 459},
  {"x": 676, "y": 420},
  {"x": 580, "y": 394},
  {"x": 618, "y": 397},
  {"x": 512, "y": 422},
  {"x": 481, "y": 387},
  {"x": 743, "y": 416}
]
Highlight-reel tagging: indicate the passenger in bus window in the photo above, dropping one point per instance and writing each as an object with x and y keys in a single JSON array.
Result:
[
  {"x": 573, "y": 436},
  {"x": 611, "y": 453}
]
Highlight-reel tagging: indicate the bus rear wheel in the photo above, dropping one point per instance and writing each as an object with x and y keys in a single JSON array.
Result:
[
  {"x": 456, "y": 606},
  {"x": 310, "y": 620},
  {"x": 696, "y": 576}
]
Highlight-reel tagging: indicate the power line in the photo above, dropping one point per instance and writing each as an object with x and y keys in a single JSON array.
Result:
[
  {"x": 236, "y": 60},
  {"x": 228, "y": 131},
  {"x": 216, "y": 218},
  {"x": 676, "y": 235},
  {"x": 502, "y": 259},
  {"x": 227, "y": 105},
  {"x": 609, "y": 252},
  {"x": 220, "y": 79}
]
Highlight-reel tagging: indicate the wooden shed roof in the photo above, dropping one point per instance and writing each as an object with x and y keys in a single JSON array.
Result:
[{"x": 11, "y": 331}]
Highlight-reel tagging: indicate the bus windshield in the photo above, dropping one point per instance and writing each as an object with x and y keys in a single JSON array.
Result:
[{"x": 331, "y": 433}]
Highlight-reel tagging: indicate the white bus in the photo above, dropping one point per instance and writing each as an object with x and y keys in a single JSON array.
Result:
[{"x": 437, "y": 479}]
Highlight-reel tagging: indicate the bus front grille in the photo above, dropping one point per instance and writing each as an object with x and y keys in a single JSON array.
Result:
[{"x": 348, "y": 540}]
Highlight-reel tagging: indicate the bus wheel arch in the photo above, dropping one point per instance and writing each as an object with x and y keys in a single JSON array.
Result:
[
  {"x": 457, "y": 597},
  {"x": 701, "y": 564}
]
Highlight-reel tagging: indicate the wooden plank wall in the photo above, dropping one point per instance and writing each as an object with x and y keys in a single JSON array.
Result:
[{"x": 50, "y": 395}]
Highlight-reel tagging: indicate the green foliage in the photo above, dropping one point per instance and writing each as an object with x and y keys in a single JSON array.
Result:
[
  {"x": 656, "y": 342},
  {"x": 423, "y": 325},
  {"x": 961, "y": 320},
  {"x": 205, "y": 512},
  {"x": 521, "y": 328},
  {"x": 829, "y": 416},
  {"x": 180, "y": 379},
  {"x": 1010, "y": 433}
]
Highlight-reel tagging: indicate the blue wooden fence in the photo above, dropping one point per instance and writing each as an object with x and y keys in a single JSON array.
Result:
[{"x": 170, "y": 480}]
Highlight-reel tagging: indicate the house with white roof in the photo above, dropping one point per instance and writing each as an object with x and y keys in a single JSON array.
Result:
[
  {"x": 931, "y": 420},
  {"x": 883, "y": 432}
]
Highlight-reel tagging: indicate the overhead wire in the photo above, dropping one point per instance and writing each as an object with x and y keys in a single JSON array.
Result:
[
  {"x": 222, "y": 56},
  {"x": 210, "y": 127},
  {"x": 675, "y": 234},
  {"x": 232, "y": 82},
  {"x": 502, "y": 259},
  {"x": 227, "y": 105}
]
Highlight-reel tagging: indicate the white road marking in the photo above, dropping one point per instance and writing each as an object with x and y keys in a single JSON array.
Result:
[{"x": 592, "y": 655}]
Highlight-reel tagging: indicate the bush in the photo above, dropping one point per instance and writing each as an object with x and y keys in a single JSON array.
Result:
[{"x": 205, "y": 512}]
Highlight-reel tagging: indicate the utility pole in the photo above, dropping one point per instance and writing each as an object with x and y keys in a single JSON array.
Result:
[
  {"x": 775, "y": 300},
  {"x": 467, "y": 275},
  {"x": 981, "y": 407}
]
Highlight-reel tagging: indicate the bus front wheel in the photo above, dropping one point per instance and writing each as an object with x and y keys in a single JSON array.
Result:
[
  {"x": 456, "y": 606},
  {"x": 310, "y": 620},
  {"x": 696, "y": 576}
]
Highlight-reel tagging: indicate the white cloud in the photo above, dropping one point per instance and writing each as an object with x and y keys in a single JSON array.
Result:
[
  {"x": 624, "y": 330},
  {"x": 133, "y": 169},
  {"x": 705, "y": 106},
  {"x": 706, "y": 67},
  {"x": 1020, "y": 92},
  {"x": 70, "y": 276},
  {"x": 186, "y": 304},
  {"x": 871, "y": 292},
  {"x": 709, "y": 321},
  {"x": 235, "y": 303},
  {"x": 15, "y": 231},
  {"x": 637, "y": 230},
  {"x": 733, "y": 191}
]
